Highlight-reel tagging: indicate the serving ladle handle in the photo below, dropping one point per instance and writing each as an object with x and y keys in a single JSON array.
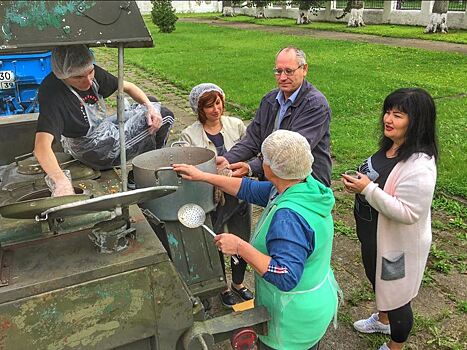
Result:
[
  {"x": 192, "y": 215},
  {"x": 234, "y": 257}
]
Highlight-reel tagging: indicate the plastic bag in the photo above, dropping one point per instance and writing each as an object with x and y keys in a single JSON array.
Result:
[{"x": 100, "y": 148}]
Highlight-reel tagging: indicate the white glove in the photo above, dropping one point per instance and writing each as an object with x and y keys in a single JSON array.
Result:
[
  {"x": 60, "y": 184},
  {"x": 154, "y": 119}
]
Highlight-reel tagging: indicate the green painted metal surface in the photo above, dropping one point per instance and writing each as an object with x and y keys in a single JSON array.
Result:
[
  {"x": 18, "y": 131},
  {"x": 196, "y": 258},
  {"x": 39, "y": 25},
  {"x": 64, "y": 295}
]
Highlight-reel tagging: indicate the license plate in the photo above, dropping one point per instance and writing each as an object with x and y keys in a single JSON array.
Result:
[
  {"x": 7, "y": 85},
  {"x": 7, "y": 76}
]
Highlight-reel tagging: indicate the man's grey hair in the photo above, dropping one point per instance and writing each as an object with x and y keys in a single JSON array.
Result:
[{"x": 301, "y": 56}]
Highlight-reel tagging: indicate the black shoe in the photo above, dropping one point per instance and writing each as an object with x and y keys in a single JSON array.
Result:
[
  {"x": 243, "y": 292},
  {"x": 131, "y": 181},
  {"x": 228, "y": 298}
]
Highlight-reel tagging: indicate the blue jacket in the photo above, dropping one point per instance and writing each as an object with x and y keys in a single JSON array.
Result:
[{"x": 309, "y": 115}]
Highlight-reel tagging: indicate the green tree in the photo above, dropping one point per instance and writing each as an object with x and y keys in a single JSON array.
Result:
[{"x": 163, "y": 15}]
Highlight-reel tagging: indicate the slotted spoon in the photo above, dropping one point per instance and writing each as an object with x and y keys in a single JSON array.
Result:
[{"x": 192, "y": 215}]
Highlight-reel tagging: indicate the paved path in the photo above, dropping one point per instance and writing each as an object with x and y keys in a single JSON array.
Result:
[{"x": 320, "y": 34}]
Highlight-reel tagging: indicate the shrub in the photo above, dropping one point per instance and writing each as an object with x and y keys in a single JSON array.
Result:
[{"x": 163, "y": 15}]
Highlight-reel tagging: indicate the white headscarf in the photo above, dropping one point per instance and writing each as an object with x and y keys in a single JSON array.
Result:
[
  {"x": 200, "y": 90},
  {"x": 71, "y": 60},
  {"x": 288, "y": 154}
]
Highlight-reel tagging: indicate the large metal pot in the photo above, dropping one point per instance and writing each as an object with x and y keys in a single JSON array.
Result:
[{"x": 153, "y": 168}]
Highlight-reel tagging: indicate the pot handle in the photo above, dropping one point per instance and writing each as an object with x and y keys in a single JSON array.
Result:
[
  {"x": 23, "y": 157},
  {"x": 179, "y": 144},
  {"x": 166, "y": 168}
]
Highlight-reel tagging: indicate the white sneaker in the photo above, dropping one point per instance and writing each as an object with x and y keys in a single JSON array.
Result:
[
  {"x": 372, "y": 325},
  {"x": 384, "y": 347}
]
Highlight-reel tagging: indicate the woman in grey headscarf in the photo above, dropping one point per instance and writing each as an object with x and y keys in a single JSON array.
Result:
[{"x": 217, "y": 132}]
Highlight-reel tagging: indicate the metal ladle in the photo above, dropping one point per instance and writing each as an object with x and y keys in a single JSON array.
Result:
[{"x": 191, "y": 215}]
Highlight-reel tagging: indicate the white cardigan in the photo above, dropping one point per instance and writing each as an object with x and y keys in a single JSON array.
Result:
[
  {"x": 404, "y": 229},
  {"x": 233, "y": 129}
]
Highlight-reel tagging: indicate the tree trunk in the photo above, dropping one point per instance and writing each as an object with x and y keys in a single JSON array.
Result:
[
  {"x": 303, "y": 17},
  {"x": 306, "y": 8},
  {"x": 260, "y": 12},
  {"x": 356, "y": 18},
  {"x": 355, "y": 8},
  {"x": 227, "y": 9},
  {"x": 438, "y": 18},
  {"x": 356, "y": 14}
]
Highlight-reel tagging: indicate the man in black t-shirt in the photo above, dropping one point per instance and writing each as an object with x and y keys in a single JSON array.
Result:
[{"x": 72, "y": 110}]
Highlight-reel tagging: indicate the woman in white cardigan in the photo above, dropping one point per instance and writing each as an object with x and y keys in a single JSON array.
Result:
[
  {"x": 394, "y": 191},
  {"x": 217, "y": 132}
]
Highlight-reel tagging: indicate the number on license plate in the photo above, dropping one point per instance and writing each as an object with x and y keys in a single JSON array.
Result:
[
  {"x": 7, "y": 76},
  {"x": 7, "y": 85}
]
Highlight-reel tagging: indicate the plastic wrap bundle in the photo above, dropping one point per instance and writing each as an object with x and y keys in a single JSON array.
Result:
[
  {"x": 100, "y": 148},
  {"x": 61, "y": 187}
]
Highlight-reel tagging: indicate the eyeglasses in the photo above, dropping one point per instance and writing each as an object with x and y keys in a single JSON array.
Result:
[{"x": 287, "y": 71}]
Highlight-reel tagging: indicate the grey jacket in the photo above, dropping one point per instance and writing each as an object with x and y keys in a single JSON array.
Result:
[{"x": 309, "y": 115}]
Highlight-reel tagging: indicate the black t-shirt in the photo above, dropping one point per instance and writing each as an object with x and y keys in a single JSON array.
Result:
[
  {"x": 61, "y": 112},
  {"x": 377, "y": 168}
]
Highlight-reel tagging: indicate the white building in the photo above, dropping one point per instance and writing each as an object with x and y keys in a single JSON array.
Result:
[
  {"x": 185, "y": 6},
  {"x": 389, "y": 14}
]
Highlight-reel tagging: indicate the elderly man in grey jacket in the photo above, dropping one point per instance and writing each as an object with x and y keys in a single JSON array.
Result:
[{"x": 297, "y": 106}]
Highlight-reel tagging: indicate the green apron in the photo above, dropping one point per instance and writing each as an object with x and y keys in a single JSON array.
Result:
[{"x": 300, "y": 317}]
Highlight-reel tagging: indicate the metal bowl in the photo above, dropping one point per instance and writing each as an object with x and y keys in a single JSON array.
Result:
[{"x": 28, "y": 209}]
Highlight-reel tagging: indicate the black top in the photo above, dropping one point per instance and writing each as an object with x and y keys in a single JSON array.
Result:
[
  {"x": 377, "y": 168},
  {"x": 61, "y": 112},
  {"x": 218, "y": 141}
]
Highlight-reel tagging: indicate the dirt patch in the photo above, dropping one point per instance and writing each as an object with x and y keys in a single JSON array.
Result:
[{"x": 439, "y": 316}]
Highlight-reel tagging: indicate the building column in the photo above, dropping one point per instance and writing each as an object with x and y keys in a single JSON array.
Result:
[
  {"x": 327, "y": 10},
  {"x": 388, "y": 7}
]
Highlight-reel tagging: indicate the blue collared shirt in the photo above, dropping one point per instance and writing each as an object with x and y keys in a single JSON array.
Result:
[
  {"x": 284, "y": 105},
  {"x": 290, "y": 239}
]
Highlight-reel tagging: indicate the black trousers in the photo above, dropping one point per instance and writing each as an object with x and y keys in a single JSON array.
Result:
[
  {"x": 400, "y": 319},
  {"x": 401, "y": 322},
  {"x": 366, "y": 219},
  {"x": 237, "y": 217}
]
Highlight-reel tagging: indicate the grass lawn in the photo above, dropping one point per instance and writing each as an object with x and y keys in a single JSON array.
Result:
[
  {"x": 387, "y": 30},
  {"x": 355, "y": 77}
]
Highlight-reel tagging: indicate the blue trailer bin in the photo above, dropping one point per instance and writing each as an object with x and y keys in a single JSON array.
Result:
[{"x": 20, "y": 77}]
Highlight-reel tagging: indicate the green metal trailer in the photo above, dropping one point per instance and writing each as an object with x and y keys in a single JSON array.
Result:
[{"x": 94, "y": 273}]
